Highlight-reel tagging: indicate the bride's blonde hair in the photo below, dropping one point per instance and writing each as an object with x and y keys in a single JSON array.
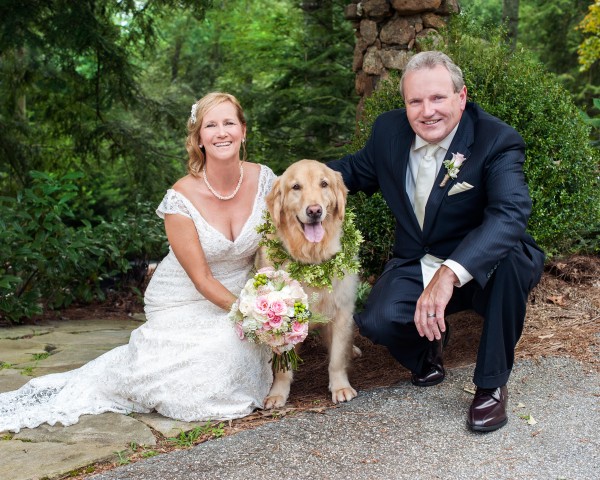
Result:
[{"x": 196, "y": 158}]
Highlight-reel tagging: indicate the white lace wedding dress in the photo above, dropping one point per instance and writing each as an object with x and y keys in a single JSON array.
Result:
[{"x": 185, "y": 362}]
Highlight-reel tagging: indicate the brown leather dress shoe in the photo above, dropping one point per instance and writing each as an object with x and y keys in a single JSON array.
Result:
[
  {"x": 433, "y": 371},
  {"x": 488, "y": 410}
]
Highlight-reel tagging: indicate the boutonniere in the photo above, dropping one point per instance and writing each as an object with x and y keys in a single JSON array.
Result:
[{"x": 452, "y": 167}]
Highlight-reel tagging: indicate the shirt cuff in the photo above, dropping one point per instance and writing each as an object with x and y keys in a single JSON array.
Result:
[{"x": 459, "y": 271}]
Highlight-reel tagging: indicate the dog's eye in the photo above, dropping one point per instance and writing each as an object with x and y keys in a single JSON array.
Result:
[
  {"x": 324, "y": 184},
  {"x": 296, "y": 186}
]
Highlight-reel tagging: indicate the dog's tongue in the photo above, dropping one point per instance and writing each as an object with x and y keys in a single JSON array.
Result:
[{"x": 314, "y": 232}]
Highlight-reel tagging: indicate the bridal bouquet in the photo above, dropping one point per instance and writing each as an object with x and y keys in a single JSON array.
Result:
[{"x": 273, "y": 309}]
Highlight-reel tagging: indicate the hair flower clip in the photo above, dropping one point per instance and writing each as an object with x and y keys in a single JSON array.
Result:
[
  {"x": 193, "y": 115},
  {"x": 452, "y": 167}
]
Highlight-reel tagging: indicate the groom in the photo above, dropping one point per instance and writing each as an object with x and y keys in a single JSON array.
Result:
[{"x": 452, "y": 175}]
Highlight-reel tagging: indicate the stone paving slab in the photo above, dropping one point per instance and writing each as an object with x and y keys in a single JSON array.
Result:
[
  {"x": 89, "y": 337},
  {"x": 71, "y": 344},
  {"x": 104, "y": 429},
  {"x": 67, "y": 359},
  {"x": 166, "y": 426},
  {"x": 23, "y": 460},
  {"x": 48, "y": 451},
  {"x": 25, "y": 331},
  {"x": 11, "y": 380},
  {"x": 19, "y": 351}
]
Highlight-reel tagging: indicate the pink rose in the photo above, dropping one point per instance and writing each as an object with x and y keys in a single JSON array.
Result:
[
  {"x": 458, "y": 159},
  {"x": 278, "y": 307},
  {"x": 298, "y": 333},
  {"x": 261, "y": 305},
  {"x": 299, "y": 327},
  {"x": 276, "y": 321}
]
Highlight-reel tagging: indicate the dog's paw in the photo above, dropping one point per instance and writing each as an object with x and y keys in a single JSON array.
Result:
[
  {"x": 274, "y": 401},
  {"x": 343, "y": 394},
  {"x": 356, "y": 352}
]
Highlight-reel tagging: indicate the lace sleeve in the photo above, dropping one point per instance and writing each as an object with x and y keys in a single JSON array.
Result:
[
  {"x": 173, "y": 203},
  {"x": 267, "y": 181}
]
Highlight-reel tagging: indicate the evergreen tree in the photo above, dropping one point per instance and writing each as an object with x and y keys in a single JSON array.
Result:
[{"x": 71, "y": 93}]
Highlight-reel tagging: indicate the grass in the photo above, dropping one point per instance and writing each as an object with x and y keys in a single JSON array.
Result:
[
  {"x": 187, "y": 439},
  {"x": 40, "y": 356},
  {"x": 28, "y": 371},
  {"x": 123, "y": 458}
]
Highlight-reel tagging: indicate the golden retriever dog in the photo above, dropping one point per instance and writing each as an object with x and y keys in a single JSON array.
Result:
[{"x": 307, "y": 205}]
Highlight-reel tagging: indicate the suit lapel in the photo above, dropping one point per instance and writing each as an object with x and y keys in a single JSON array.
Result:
[
  {"x": 400, "y": 152},
  {"x": 460, "y": 144}
]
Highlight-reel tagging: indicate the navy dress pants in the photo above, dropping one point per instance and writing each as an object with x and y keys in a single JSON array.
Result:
[{"x": 388, "y": 317}]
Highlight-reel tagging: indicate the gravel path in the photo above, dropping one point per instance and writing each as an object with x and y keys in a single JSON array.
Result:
[{"x": 406, "y": 432}]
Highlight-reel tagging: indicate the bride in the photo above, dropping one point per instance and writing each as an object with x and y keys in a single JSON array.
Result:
[{"x": 185, "y": 362}]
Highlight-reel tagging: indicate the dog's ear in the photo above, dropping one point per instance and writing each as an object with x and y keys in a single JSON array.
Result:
[
  {"x": 341, "y": 193},
  {"x": 274, "y": 201}
]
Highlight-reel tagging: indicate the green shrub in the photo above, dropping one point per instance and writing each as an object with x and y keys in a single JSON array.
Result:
[
  {"x": 52, "y": 258},
  {"x": 376, "y": 224},
  {"x": 561, "y": 166}
]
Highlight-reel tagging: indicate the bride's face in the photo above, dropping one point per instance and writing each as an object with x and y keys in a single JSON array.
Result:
[{"x": 222, "y": 132}]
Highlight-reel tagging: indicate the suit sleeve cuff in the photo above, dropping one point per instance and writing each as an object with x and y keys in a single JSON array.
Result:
[{"x": 459, "y": 271}]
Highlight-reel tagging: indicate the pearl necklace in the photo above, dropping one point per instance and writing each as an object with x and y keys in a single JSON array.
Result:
[{"x": 222, "y": 197}]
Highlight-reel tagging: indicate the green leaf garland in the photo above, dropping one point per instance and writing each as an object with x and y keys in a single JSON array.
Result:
[{"x": 321, "y": 275}]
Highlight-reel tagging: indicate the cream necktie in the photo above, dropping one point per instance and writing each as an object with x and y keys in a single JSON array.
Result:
[{"x": 425, "y": 178}]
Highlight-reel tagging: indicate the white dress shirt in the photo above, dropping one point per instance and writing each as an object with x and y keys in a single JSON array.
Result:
[{"x": 429, "y": 263}]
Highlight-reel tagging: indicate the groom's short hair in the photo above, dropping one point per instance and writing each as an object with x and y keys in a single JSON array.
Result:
[{"x": 432, "y": 59}]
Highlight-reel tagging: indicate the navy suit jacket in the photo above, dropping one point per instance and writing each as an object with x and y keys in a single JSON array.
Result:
[{"x": 476, "y": 228}]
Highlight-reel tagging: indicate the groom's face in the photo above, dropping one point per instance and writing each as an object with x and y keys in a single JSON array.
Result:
[{"x": 432, "y": 106}]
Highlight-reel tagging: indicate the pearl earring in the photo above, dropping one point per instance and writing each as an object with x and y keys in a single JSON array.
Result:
[{"x": 200, "y": 146}]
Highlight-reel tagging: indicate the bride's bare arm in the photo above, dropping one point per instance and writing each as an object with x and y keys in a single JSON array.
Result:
[{"x": 183, "y": 239}]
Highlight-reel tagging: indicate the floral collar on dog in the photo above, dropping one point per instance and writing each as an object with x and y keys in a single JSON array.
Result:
[{"x": 321, "y": 275}]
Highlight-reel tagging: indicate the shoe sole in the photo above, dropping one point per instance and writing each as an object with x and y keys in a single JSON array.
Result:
[{"x": 489, "y": 428}]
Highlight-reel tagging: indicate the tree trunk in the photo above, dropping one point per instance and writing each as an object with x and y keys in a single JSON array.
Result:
[{"x": 510, "y": 15}]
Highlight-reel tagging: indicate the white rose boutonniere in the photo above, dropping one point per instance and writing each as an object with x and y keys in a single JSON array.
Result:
[{"x": 452, "y": 167}]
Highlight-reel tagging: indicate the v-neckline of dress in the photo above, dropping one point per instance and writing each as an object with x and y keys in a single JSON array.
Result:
[{"x": 193, "y": 207}]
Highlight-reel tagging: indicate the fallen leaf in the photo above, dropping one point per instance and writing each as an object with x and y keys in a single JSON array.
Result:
[
  {"x": 521, "y": 405},
  {"x": 470, "y": 390},
  {"x": 529, "y": 418},
  {"x": 544, "y": 337},
  {"x": 531, "y": 421},
  {"x": 317, "y": 409}
]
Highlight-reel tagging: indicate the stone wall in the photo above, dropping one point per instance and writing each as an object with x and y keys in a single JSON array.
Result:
[{"x": 388, "y": 32}]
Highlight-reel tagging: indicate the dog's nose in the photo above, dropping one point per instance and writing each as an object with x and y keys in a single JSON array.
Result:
[{"x": 314, "y": 211}]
